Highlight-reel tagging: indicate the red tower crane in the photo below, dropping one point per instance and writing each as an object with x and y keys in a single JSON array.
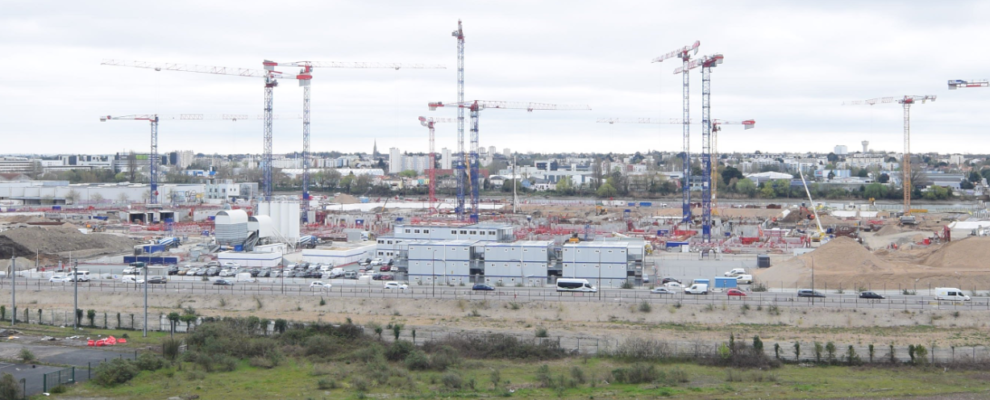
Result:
[
  {"x": 906, "y": 101},
  {"x": 429, "y": 122},
  {"x": 475, "y": 107},
  {"x": 974, "y": 83},
  {"x": 305, "y": 77}
]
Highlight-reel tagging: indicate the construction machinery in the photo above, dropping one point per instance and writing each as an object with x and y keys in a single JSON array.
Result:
[
  {"x": 684, "y": 54},
  {"x": 906, "y": 102},
  {"x": 270, "y": 78},
  {"x": 475, "y": 108},
  {"x": 432, "y": 199},
  {"x": 959, "y": 83},
  {"x": 817, "y": 236},
  {"x": 459, "y": 164},
  {"x": 305, "y": 78},
  {"x": 154, "y": 161}
]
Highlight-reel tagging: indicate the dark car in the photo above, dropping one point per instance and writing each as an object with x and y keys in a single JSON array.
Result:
[
  {"x": 213, "y": 271},
  {"x": 809, "y": 293},
  {"x": 482, "y": 286},
  {"x": 157, "y": 279},
  {"x": 173, "y": 270},
  {"x": 265, "y": 273},
  {"x": 668, "y": 280},
  {"x": 376, "y": 277},
  {"x": 255, "y": 273},
  {"x": 223, "y": 282},
  {"x": 871, "y": 295}
]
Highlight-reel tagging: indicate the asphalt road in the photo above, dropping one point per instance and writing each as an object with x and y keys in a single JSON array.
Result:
[{"x": 366, "y": 288}]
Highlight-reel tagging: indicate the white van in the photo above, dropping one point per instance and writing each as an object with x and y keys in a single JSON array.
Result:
[
  {"x": 575, "y": 285},
  {"x": 83, "y": 276},
  {"x": 245, "y": 277},
  {"x": 336, "y": 273},
  {"x": 697, "y": 288},
  {"x": 744, "y": 279},
  {"x": 944, "y": 293}
]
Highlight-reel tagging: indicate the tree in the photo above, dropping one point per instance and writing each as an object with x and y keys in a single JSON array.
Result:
[
  {"x": 564, "y": 186},
  {"x": 875, "y": 191},
  {"x": 831, "y": 175},
  {"x": 884, "y": 178},
  {"x": 965, "y": 184},
  {"x": 361, "y": 184},
  {"x": 729, "y": 173},
  {"x": 782, "y": 187},
  {"x": 831, "y": 157},
  {"x": 746, "y": 186},
  {"x": 408, "y": 174},
  {"x": 863, "y": 173},
  {"x": 132, "y": 167},
  {"x": 767, "y": 192},
  {"x": 974, "y": 177},
  {"x": 605, "y": 190},
  {"x": 346, "y": 182},
  {"x": 122, "y": 197}
]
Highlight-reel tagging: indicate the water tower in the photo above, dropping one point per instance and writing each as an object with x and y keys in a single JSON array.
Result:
[{"x": 866, "y": 146}]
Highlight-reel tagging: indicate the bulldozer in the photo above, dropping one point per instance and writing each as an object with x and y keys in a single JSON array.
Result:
[{"x": 600, "y": 209}]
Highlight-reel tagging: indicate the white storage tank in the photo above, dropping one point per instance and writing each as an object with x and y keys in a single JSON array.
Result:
[{"x": 231, "y": 227}]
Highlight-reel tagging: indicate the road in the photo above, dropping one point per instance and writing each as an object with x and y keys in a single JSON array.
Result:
[{"x": 342, "y": 288}]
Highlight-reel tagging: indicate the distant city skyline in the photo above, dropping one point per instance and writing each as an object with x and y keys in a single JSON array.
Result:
[{"x": 787, "y": 65}]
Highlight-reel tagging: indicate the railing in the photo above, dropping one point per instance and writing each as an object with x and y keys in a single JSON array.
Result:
[{"x": 60, "y": 377}]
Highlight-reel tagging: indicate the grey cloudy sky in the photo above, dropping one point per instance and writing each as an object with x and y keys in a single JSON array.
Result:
[{"x": 788, "y": 65}]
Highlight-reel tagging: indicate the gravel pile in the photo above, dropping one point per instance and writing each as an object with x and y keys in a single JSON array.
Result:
[{"x": 51, "y": 240}]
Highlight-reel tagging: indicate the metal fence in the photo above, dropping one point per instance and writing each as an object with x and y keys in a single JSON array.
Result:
[{"x": 60, "y": 377}]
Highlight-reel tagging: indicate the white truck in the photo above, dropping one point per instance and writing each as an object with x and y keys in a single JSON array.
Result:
[
  {"x": 245, "y": 277},
  {"x": 697, "y": 288},
  {"x": 744, "y": 279}
]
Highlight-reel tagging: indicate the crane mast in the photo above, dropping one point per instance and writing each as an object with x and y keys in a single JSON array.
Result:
[
  {"x": 432, "y": 200},
  {"x": 706, "y": 142},
  {"x": 459, "y": 165},
  {"x": 685, "y": 54}
]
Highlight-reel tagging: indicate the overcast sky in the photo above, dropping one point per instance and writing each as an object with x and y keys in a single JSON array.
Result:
[{"x": 788, "y": 65}]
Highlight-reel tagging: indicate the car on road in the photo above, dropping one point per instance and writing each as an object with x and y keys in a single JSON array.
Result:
[
  {"x": 81, "y": 277},
  {"x": 320, "y": 285},
  {"x": 809, "y": 293},
  {"x": 735, "y": 272},
  {"x": 697, "y": 288},
  {"x": 58, "y": 279},
  {"x": 675, "y": 286},
  {"x": 668, "y": 280},
  {"x": 130, "y": 271},
  {"x": 744, "y": 279},
  {"x": 223, "y": 282},
  {"x": 395, "y": 285},
  {"x": 871, "y": 295},
  {"x": 482, "y": 286},
  {"x": 157, "y": 280},
  {"x": 661, "y": 290},
  {"x": 735, "y": 293},
  {"x": 131, "y": 279}
]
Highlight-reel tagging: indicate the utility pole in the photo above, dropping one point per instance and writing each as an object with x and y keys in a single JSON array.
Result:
[
  {"x": 514, "y": 183},
  {"x": 13, "y": 288},
  {"x": 75, "y": 296}
]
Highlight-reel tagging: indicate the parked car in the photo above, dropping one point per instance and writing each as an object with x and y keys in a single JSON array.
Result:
[
  {"x": 668, "y": 280},
  {"x": 744, "y": 279},
  {"x": 350, "y": 275},
  {"x": 809, "y": 293},
  {"x": 223, "y": 282},
  {"x": 661, "y": 290},
  {"x": 213, "y": 264},
  {"x": 395, "y": 285},
  {"x": 387, "y": 277},
  {"x": 735, "y": 293},
  {"x": 157, "y": 280},
  {"x": 320, "y": 285},
  {"x": 871, "y": 295},
  {"x": 482, "y": 286},
  {"x": 265, "y": 273},
  {"x": 227, "y": 272},
  {"x": 58, "y": 279},
  {"x": 231, "y": 264},
  {"x": 200, "y": 272},
  {"x": 173, "y": 270},
  {"x": 385, "y": 268}
]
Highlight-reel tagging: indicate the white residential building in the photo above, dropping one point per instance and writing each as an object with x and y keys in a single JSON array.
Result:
[
  {"x": 394, "y": 160},
  {"x": 446, "y": 162}
]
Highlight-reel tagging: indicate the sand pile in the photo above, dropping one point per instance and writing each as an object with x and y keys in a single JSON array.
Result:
[
  {"x": 50, "y": 240},
  {"x": 843, "y": 254},
  {"x": 345, "y": 199},
  {"x": 968, "y": 253},
  {"x": 888, "y": 230}
]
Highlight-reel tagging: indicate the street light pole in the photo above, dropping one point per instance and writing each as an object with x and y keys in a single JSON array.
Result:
[
  {"x": 13, "y": 288},
  {"x": 600, "y": 288},
  {"x": 812, "y": 281},
  {"x": 75, "y": 295},
  {"x": 145, "y": 299}
]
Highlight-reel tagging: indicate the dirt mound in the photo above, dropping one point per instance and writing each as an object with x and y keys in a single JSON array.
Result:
[
  {"x": 888, "y": 230},
  {"x": 841, "y": 256},
  {"x": 345, "y": 199},
  {"x": 51, "y": 240},
  {"x": 968, "y": 253}
]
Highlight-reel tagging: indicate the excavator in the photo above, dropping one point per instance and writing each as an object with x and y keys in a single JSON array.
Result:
[
  {"x": 600, "y": 209},
  {"x": 817, "y": 236}
]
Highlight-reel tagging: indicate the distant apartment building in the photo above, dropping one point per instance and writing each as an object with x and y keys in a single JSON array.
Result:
[
  {"x": 841, "y": 150},
  {"x": 445, "y": 159}
]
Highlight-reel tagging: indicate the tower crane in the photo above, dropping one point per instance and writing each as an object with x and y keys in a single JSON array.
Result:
[
  {"x": 684, "y": 54},
  {"x": 305, "y": 78},
  {"x": 459, "y": 167},
  {"x": 960, "y": 83},
  {"x": 906, "y": 101},
  {"x": 270, "y": 77},
  {"x": 716, "y": 127},
  {"x": 154, "y": 160},
  {"x": 429, "y": 122},
  {"x": 475, "y": 108}
]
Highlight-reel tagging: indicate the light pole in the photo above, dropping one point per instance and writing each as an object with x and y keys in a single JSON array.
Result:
[
  {"x": 433, "y": 276},
  {"x": 600, "y": 288},
  {"x": 812, "y": 281},
  {"x": 13, "y": 288},
  {"x": 75, "y": 295},
  {"x": 145, "y": 267}
]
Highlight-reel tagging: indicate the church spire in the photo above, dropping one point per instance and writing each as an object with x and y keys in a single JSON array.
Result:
[{"x": 374, "y": 153}]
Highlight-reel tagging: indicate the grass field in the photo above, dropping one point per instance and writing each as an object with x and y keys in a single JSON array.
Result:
[{"x": 584, "y": 378}]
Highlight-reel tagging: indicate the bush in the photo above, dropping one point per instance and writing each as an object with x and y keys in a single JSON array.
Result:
[
  {"x": 636, "y": 373},
  {"x": 114, "y": 372},
  {"x": 541, "y": 332},
  {"x": 60, "y": 389},
  {"x": 627, "y": 285},
  {"x": 26, "y": 355},
  {"x": 444, "y": 358},
  {"x": 9, "y": 387},
  {"x": 150, "y": 362},
  {"x": 399, "y": 350},
  {"x": 326, "y": 384},
  {"x": 417, "y": 361},
  {"x": 758, "y": 287},
  {"x": 170, "y": 348},
  {"x": 678, "y": 375},
  {"x": 372, "y": 353},
  {"x": 360, "y": 384},
  {"x": 322, "y": 346},
  {"x": 578, "y": 375},
  {"x": 452, "y": 381},
  {"x": 543, "y": 376},
  {"x": 645, "y": 307},
  {"x": 260, "y": 362},
  {"x": 487, "y": 346}
]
